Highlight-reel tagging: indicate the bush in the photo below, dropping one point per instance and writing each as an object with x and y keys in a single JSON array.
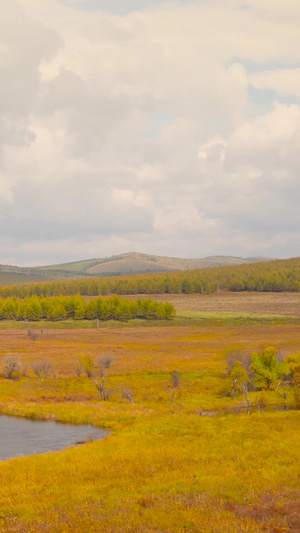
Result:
[
  {"x": 11, "y": 367},
  {"x": 105, "y": 392},
  {"x": 106, "y": 360},
  {"x": 176, "y": 379},
  {"x": 41, "y": 368},
  {"x": 87, "y": 364},
  {"x": 32, "y": 334},
  {"x": 127, "y": 395}
]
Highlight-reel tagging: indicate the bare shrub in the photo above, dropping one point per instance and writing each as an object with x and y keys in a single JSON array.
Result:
[
  {"x": 25, "y": 370},
  {"x": 106, "y": 360},
  {"x": 91, "y": 437},
  {"x": 245, "y": 391},
  {"x": 41, "y": 367},
  {"x": 78, "y": 370},
  {"x": 11, "y": 366},
  {"x": 104, "y": 363},
  {"x": 238, "y": 355},
  {"x": 105, "y": 392},
  {"x": 262, "y": 402},
  {"x": 176, "y": 379},
  {"x": 176, "y": 390},
  {"x": 127, "y": 395},
  {"x": 32, "y": 334},
  {"x": 296, "y": 390}
]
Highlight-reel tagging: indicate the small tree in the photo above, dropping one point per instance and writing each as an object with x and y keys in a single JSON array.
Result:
[
  {"x": 293, "y": 362},
  {"x": 104, "y": 363},
  {"x": 105, "y": 392},
  {"x": 239, "y": 378},
  {"x": 56, "y": 312},
  {"x": 87, "y": 364},
  {"x": 33, "y": 309},
  {"x": 296, "y": 390}
]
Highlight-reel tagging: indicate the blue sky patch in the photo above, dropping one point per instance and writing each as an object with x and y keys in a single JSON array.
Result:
[
  {"x": 256, "y": 66},
  {"x": 155, "y": 125},
  {"x": 266, "y": 97},
  {"x": 119, "y": 7}
]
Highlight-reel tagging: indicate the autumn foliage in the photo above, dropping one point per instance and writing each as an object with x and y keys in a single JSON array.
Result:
[
  {"x": 34, "y": 308},
  {"x": 272, "y": 276}
]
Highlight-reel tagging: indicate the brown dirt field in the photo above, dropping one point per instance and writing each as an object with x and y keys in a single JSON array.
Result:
[
  {"x": 144, "y": 349},
  {"x": 282, "y": 303}
]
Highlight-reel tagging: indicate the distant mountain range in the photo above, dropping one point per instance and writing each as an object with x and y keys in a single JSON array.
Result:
[{"x": 123, "y": 264}]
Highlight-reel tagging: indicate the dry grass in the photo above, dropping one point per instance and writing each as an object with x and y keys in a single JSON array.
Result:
[
  {"x": 281, "y": 303},
  {"x": 164, "y": 468},
  {"x": 142, "y": 349}
]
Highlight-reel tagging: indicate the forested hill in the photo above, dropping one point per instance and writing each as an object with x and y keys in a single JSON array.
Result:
[
  {"x": 273, "y": 276},
  {"x": 138, "y": 263},
  {"x": 117, "y": 265}
]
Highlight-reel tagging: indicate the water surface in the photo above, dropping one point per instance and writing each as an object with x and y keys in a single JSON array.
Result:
[{"x": 20, "y": 436}]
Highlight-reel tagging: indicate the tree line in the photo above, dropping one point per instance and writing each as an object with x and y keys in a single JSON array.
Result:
[
  {"x": 272, "y": 276},
  {"x": 34, "y": 308}
]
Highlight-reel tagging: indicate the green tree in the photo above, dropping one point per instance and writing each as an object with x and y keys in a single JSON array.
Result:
[
  {"x": 8, "y": 309},
  {"x": 296, "y": 390},
  {"x": 239, "y": 378},
  {"x": 123, "y": 311},
  {"x": 267, "y": 369},
  {"x": 92, "y": 309},
  {"x": 187, "y": 287},
  {"x": 169, "y": 310},
  {"x": 105, "y": 311},
  {"x": 293, "y": 362},
  {"x": 80, "y": 309},
  {"x": 33, "y": 309},
  {"x": 56, "y": 312}
]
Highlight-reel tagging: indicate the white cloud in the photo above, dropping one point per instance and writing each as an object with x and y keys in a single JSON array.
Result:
[{"x": 138, "y": 132}]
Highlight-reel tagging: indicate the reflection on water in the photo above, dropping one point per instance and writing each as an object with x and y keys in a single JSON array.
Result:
[{"x": 20, "y": 436}]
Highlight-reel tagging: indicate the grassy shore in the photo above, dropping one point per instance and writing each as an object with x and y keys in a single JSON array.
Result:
[
  {"x": 183, "y": 318},
  {"x": 180, "y": 459}
]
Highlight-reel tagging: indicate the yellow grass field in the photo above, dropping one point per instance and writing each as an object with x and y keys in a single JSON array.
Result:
[{"x": 178, "y": 460}]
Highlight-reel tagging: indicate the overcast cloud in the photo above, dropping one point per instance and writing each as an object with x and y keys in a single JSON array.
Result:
[{"x": 161, "y": 127}]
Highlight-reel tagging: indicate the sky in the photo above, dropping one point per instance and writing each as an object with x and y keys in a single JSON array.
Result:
[{"x": 163, "y": 127}]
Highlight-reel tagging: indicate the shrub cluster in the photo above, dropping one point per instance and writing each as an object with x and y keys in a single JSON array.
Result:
[
  {"x": 36, "y": 308},
  {"x": 12, "y": 367},
  {"x": 263, "y": 370}
]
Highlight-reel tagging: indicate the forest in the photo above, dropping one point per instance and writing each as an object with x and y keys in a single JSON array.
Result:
[{"x": 273, "y": 276}]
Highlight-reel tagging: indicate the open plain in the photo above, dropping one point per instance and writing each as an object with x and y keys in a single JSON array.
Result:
[
  {"x": 182, "y": 456},
  {"x": 272, "y": 303}
]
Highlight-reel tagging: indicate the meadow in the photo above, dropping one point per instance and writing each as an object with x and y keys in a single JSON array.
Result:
[{"x": 185, "y": 456}]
